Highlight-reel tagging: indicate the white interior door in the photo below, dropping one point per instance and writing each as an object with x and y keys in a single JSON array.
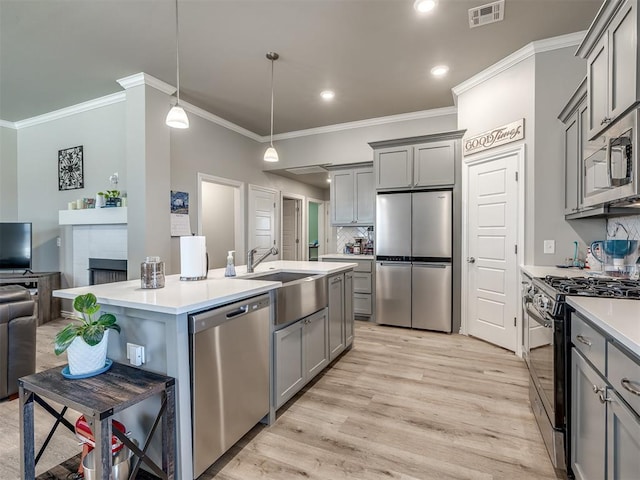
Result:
[
  {"x": 262, "y": 219},
  {"x": 492, "y": 219}
]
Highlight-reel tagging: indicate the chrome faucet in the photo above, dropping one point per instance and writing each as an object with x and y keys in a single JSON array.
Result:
[{"x": 251, "y": 264}]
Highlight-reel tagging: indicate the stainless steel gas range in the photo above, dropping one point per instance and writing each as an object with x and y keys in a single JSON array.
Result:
[{"x": 546, "y": 344}]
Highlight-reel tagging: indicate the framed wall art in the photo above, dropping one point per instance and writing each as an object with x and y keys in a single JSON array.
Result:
[{"x": 70, "y": 169}]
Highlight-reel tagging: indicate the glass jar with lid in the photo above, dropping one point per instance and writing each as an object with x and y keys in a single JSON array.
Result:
[{"x": 152, "y": 273}]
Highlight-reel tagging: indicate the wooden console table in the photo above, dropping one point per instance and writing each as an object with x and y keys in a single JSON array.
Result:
[
  {"x": 48, "y": 307},
  {"x": 98, "y": 399}
]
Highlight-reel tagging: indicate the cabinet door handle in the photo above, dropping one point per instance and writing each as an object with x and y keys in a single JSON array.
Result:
[
  {"x": 603, "y": 399},
  {"x": 583, "y": 340},
  {"x": 605, "y": 120},
  {"x": 597, "y": 389},
  {"x": 626, "y": 384}
]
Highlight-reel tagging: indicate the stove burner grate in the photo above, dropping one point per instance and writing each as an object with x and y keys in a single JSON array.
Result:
[{"x": 595, "y": 287}]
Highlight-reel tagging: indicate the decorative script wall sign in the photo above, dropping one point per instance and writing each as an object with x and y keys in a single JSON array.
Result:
[{"x": 493, "y": 138}]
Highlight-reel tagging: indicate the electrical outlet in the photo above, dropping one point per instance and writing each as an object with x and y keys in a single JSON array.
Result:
[
  {"x": 135, "y": 354},
  {"x": 550, "y": 246},
  {"x": 58, "y": 241}
]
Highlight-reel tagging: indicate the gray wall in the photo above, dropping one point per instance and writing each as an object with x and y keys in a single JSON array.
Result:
[
  {"x": 557, "y": 75},
  {"x": 8, "y": 174},
  {"x": 101, "y": 132},
  {"x": 218, "y": 220},
  {"x": 535, "y": 89},
  {"x": 351, "y": 146},
  {"x": 214, "y": 150}
]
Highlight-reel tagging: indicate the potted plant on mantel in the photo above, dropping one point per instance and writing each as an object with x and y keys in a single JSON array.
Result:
[
  {"x": 111, "y": 198},
  {"x": 85, "y": 340}
]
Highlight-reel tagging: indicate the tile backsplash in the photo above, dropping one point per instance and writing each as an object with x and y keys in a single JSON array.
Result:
[
  {"x": 620, "y": 227},
  {"x": 347, "y": 234}
]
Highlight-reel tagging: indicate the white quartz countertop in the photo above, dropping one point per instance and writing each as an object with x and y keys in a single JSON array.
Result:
[
  {"x": 179, "y": 297},
  {"x": 542, "y": 271},
  {"x": 348, "y": 256},
  {"x": 617, "y": 317}
]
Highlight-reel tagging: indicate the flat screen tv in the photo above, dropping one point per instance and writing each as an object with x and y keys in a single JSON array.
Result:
[{"x": 15, "y": 246}]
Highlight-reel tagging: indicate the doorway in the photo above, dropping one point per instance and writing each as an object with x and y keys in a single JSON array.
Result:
[
  {"x": 493, "y": 213},
  {"x": 316, "y": 229},
  {"x": 220, "y": 203},
  {"x": 292, "y": 234}
]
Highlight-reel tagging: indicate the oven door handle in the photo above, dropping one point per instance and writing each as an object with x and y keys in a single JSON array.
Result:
[{"x": 534, "y": 314}]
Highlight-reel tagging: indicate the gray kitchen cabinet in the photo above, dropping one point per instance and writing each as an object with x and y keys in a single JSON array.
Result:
[
  {"x": 588, "y": 417},
  {"x": 605, "y": 425},
  {"x": 348, "y": 308},
  {"x": 336, "y": 315},
  {"x": 352, "y": 196},
  {"x": 623, "y": 440},
  {"x": 573, "y": 116},
  {"x": 316, "y": 344},
  {"x": 393, "y": 167},
  {"x": 300, "y": 352},
  {"x": 363, "y": 284},
  {"x": 611, "y": 50},
  {"x": 434, "y": 164},
  {"x": 416, "y": 162},
  {"x": 289, "y": 368}
]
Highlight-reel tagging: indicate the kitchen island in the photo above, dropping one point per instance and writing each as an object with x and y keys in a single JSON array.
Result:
[{"x": 158, "y": 320}]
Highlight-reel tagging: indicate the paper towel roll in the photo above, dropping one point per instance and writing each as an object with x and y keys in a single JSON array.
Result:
[{"x": 193, "y": 258}]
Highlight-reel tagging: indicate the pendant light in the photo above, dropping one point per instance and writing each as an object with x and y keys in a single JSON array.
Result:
[
  {"x": 270, "y": 155},
  {"x": 177, "y": 117}
]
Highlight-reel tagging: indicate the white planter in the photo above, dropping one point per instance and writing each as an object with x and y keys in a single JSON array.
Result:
[{"x": 84, "y": 358}]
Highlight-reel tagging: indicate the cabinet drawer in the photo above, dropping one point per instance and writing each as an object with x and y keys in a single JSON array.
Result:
[
  {"x": 624, "y": 375},
  {"x": 362, "y": 282},
  {"x": 589, "y": 341},
  {"x": 363, "y": 265},
  {"x": 362, "y": 304}
]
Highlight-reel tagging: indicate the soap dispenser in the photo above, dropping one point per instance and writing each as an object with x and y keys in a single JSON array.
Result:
[{"x": 230, "y": 271}]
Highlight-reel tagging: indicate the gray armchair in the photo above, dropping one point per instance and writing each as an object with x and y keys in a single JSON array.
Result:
[{"x": 17, "y": 337}]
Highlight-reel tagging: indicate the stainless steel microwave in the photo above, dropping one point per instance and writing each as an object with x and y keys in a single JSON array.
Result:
[{"x": 611, "y": 164}]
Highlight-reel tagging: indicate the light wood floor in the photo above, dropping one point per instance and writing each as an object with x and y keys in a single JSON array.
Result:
[{"x": 402, "y": 404}]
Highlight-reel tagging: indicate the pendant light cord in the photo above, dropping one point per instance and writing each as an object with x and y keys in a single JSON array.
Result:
[
  {"x": 272, "y": 102},
  {"x": 177, "y": 57}
]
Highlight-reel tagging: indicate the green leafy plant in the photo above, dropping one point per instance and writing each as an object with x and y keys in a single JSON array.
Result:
[
  {"x": 86, "y": 326},
  {"x": 110, "y": 193}
]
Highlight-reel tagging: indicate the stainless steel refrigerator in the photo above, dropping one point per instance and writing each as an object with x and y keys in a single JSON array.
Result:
[{"x": 413, "y": 259}]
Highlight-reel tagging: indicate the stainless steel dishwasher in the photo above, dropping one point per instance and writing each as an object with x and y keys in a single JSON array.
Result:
[{"x": 229, "y": 348}]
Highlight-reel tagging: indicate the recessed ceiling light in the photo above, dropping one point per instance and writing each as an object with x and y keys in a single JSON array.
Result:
[
  {"x": 439, "y": 70},
  {"x": 423, "y": 6},
  {"x": 327, "y": 95}
]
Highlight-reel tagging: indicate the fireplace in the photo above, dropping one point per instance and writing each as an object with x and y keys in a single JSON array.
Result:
[{"x": 107, "y": 270}]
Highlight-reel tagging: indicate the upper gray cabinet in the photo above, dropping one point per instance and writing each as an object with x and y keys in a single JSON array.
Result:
[
  {"x": 611, "y": 51},
  {"x": 393, "y": 167},
  {"x": 417, "y": 162},
  {"x": 352, "y": 196},
  {"x": 574, "y": 116}
]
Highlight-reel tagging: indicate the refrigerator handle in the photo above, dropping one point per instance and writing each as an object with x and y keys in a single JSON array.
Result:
[
  {"x": 382, "y": 264},
  {"x": 432, "y": 265}
]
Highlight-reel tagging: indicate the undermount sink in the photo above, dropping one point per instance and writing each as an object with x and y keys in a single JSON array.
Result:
[{"x": 300, "y": 295}]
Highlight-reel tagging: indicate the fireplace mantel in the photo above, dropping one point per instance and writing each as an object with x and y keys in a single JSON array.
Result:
[{"x": 93, "y": 216}]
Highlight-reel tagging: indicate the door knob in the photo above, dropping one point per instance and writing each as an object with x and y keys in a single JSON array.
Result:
[{"x": 471, "y": 260}]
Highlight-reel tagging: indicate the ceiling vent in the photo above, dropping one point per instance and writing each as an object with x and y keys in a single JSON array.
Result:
[{"x": 485, "y": 14}]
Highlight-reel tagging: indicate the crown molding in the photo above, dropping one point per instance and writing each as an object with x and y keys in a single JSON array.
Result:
[
  {"x": 72, "y": 110},
  {"x": 220, "y": 121},
  {"x": 338, "y": 127},
  {"x": 5, "y": 124},
  {"x": 539, "y": 46},
  {"x": 142, "y": 78}
]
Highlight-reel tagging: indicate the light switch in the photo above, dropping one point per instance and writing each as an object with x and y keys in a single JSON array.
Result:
[
  {"x": 135, "y": 354},
  {"x": 550, "y": 246}
]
